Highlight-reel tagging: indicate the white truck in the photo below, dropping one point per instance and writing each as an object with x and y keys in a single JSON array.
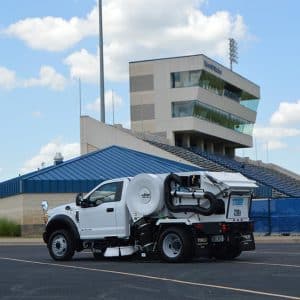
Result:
[{"x": 177, "y": 216}]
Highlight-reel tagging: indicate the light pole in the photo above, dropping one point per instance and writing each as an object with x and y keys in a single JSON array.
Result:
[
  {"x": 233, "y": 54},
  {"x": 101, "y": 67}
]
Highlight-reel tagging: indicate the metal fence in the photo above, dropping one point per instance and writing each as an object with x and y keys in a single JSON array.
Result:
[{"x": 281, "y": 215}]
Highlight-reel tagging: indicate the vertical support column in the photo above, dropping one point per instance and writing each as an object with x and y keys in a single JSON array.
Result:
[
  {"x": 186, "y": 140},
  {"x": 223, "y": 152},
  {"x": 210, "y": 147},
  {"x": 200, "y": 144}
]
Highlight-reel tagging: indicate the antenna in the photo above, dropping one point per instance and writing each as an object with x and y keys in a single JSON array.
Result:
[
  {"x": 113, "y": 106},
  {"x": 79, "y": 93},
  {"x": 233, "y": 52}
]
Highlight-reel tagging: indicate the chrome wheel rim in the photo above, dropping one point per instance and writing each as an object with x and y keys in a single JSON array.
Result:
[
  {"x": 172, "y": 245},
  {"x": 59, "y": 245}
]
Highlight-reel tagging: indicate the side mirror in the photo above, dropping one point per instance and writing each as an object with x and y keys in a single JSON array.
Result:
[
  {"x": 44, "y": 206},
  {"x": 79, "y": 199}
]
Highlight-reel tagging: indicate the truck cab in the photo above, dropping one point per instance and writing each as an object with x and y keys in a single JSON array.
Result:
[{"x": 103, "y": 211}]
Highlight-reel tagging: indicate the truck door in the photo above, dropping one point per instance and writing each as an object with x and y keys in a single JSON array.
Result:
[{"x": 98, "y": 218}]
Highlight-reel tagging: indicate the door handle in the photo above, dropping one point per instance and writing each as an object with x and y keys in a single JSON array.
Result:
[{"x": 110, "y": 209}]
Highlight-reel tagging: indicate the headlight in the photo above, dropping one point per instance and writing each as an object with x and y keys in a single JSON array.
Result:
[{"x": 45, "y": 206}]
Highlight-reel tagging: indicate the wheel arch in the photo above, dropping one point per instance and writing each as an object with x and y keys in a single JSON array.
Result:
[
  {"x": 162, "y": 226},
  {"x": 184, "y": 232},
  {"x": 63, "y": 222}
]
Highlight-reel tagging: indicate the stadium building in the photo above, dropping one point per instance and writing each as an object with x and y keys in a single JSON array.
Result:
[{"x": 193, "y": 101}]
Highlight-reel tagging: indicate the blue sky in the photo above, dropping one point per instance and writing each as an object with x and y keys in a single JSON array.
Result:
[{"x": 47, "y": 45}]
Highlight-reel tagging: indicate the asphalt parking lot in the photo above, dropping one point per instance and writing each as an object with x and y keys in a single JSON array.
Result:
[{"x": 272, "y": 271}]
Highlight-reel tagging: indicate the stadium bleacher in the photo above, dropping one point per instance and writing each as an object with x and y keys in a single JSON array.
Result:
[{"x": 271, "y": 182}]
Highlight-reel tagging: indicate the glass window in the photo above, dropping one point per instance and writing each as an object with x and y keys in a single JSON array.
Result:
[
  {"x": 209, "y": 113},
  {"x": 185, "y": 79},
  {"x": 213, "y": 84},
  {"x": 109, "y": 192}
]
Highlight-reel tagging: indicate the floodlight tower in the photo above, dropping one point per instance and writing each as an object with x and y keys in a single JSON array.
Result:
[
  {"x": 102, "y": 100},
  {"x": 233, "y": 52}
]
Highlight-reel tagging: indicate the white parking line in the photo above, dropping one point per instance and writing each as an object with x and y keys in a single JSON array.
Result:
[
  {"x": 267, "y": 264},
  {"x": 154, "y": 278},
  {"x": 276, "y": 252}
]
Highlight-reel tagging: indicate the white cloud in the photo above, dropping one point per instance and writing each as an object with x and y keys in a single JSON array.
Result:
[
  {"x": 48, "y": 77},
  {"x": 272, "y": 136},
  {"x": 37, "y": 114},
  {"x": 83, "y": 65},
  {"x": 140, "y": 29},
  {"x": 7, "y": 78},
  {"x": 274, "y": 145},
  {"x": 287, "y": 113},
  {"x": 271, "y": 133},
  {"x": 52, "y": 33},
  {"x": 47, "y": 153},
  {"x": 112, "y": 99},
  {"x": 133, "y": 30}
]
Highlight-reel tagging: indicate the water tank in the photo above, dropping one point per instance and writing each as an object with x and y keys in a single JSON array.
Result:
[{"x": 145, "y": 195}]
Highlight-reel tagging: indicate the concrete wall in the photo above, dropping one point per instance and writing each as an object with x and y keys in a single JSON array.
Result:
[
  {"x": 11, "y": 208},
  {"x": 32, "y": 224},
  {"x": 25, "y": 209},
  {"x": 94, "y": 134}
]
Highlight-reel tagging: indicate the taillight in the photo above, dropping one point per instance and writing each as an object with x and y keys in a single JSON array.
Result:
[
  {"x": 225, "y": 228},
  {"x": 198, "y": 226}
]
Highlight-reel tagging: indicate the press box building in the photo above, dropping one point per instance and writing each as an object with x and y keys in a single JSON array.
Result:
[{"x": 193, "y": 101}]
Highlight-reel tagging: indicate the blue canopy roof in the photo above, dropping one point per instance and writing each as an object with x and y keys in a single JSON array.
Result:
[{"x": 83, "y": 173}]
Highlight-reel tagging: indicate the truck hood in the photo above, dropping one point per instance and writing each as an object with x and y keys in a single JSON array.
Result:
[{"x": 62, "y": 209}]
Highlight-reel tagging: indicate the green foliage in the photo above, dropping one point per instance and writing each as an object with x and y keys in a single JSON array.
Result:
[
  {"x": 215, "y": 116},
  {"x": 211, "y": 82},
  {"x": 9, "y": 228}
]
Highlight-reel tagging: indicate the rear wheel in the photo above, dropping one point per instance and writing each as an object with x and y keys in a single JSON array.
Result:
[
  {"x": 175, "y": 245},
  {"x": 61, "y": 245}
]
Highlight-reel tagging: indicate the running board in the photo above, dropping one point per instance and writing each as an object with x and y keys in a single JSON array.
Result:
[{"x": 119, "y": 251}]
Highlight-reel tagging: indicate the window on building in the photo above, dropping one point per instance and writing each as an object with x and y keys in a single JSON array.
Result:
[
  {"x": 213, "y": 84},
  {"x": 209, "y": 113}
]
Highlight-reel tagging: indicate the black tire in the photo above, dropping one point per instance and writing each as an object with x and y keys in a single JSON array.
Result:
[
  {"x": 61, "y": 245},
  {"x": 228, "y": 253},
  {"x": 175, "y": 245},
  {"x": 98, "y": 255}
]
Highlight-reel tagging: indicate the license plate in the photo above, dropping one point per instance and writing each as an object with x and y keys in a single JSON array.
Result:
[
  {"x": 217, "y": 238},
  {"x": 238, "y": 201}
]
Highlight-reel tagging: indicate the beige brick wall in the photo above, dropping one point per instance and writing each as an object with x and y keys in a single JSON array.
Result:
[
  {"x": 26, "y": 210},
  {"x": 12, "y": 208},
  {"x": 32, "y": 212}
]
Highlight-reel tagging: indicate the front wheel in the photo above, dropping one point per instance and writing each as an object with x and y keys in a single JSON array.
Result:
[
  {"x": 175, "y": 245},
  {"x": 61, "y": 245}
]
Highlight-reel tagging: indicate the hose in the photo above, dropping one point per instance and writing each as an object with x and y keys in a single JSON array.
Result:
[{"x": 187, "y": 208}]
